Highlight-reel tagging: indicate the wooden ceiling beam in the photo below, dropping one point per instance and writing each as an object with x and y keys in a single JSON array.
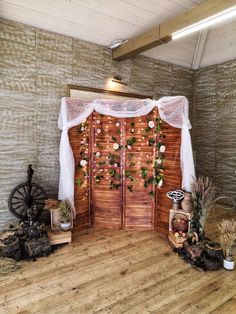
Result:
[{"x": 162, "y": 33}]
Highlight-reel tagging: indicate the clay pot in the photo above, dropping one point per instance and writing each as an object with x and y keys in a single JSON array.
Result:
[{"x": 187, "y": 202}]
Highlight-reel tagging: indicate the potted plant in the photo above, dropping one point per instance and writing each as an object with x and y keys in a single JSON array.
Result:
[
  {"x": 65, "y": 215},
  {"x": 228, "y": 233}
]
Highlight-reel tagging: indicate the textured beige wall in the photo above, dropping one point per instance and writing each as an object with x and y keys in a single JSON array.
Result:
[
  {"x": 215, "y": 125},
  {"x": 35, "y": 67}
]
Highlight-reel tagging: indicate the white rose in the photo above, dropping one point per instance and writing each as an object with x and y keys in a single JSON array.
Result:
[
  {"x": 128, "y": 146},
  {"x": 99, "y": 131},
  {"x": 97, "y": 154},
  {"x": 151, "y": 124},
  {"x": 115, "y": 146},
  {"x": 83, "y": 163},
  {"x": 159, "y": 161},
  {"x": 98, "y": 121},
  {"x": 82, "y": 128},
  {"x": 132, "y": 131},
  {"x": 162, "y": 148},
  {"x": 115, "y": 165},
  {"x": 160, "y": 183},
  {"x": 117, "y": 124}
]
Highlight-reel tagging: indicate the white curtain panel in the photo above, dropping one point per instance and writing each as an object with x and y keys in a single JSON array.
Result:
[{"x": 173, "y": 110}]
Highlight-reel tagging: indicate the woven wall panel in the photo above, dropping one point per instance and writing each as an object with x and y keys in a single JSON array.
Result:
[
  {"x": 214, "y": 125},
  {"x": 36, "y": 65}
]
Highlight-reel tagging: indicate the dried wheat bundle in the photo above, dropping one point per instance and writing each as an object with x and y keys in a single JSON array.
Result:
[
  {"x": 52, "y": 204},
  {"x": 204, "y": 190},
  {"x": 228, "y": 231}
]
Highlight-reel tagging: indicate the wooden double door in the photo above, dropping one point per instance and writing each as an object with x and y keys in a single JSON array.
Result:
[{"x": 114, "y": 163}]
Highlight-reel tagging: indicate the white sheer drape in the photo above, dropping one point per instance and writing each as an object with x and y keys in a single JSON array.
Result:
[{"x": 173, "y": 110}]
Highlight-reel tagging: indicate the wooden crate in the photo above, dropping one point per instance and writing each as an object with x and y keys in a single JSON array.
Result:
[{"x": 59, "y": 236}]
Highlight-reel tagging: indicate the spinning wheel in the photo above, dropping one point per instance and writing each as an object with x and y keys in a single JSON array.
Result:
[{"x": 25, "y": 196}]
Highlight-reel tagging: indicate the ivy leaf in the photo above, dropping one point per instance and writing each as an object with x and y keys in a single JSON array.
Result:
[
  {"x": 79, "y": 182},
  {"x": 151, "y": 193},
  {"x": 131, "y": 164},
  {"x": 151, "y": 141},
  {"x": 144, "y": 172},
  {"x": 130, "y": 188}
]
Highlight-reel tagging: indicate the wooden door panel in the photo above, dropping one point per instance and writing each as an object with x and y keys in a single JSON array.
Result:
[
  {"x": 79, "y": 142},
  {"x": 138, "y": 204},
  {"x": 172, "y": 179},
  {"x": 106, "y": 199}
]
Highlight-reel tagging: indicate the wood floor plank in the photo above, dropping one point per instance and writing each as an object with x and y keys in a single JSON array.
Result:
[{"x": 116, "y": 271}]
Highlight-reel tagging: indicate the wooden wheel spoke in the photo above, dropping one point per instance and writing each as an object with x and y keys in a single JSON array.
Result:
[
  {"x": 18, "y": 202},
  {"x": 24, "y": 196},
  {"x": 23, "y": 210},
  {"x": 36, "y": 189},
  {"x": 39, "y": 199},
  {"x": 18, "y": 198},
  {"x": 17, "y": 207},
  {"x": 26, "y": 193}
]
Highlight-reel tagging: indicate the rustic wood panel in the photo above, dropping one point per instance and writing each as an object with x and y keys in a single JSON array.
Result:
[
  {"x": 139, "y": 207},
  {"x": 172, "y": 179},
  {"x": 129, "y": 206},
  {"x": 106, "y": 198},
  {"x": 81, "y": 188}
]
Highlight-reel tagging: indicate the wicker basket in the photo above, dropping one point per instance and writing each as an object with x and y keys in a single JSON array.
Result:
[{"x": 180, "y": 223}]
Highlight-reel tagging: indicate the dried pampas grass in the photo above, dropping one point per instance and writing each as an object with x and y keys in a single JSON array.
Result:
[{"x": 228, "y": 232}]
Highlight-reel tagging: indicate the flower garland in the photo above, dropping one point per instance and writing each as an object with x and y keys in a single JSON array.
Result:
[{"x": 155, "y": 178}]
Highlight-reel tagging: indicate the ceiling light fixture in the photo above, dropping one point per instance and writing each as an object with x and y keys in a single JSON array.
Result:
[
  {"x": 117, "y": 79},
  {"x": 116, "y": 43},
  {"x": 226, "y": 14}
]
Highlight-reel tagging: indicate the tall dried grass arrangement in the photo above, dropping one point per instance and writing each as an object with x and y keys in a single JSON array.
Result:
[
  {"x": 204, "y": 195},
  {"x": 228, "y": 233}
]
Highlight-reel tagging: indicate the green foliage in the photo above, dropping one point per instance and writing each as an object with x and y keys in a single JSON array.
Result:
[
  {"x": 151, "y": 141},
  {"x": 130, "y": 188},
  {"x": 79, "y": 182},
  {"x": 151, "y": 193},
  {"x": 114, "y": 138},
  {"x": 101, "y": 163},
  {"x": 114, "y": 186},
  {"x": 131, "y": 164},
  {"x": 131, "y": 141},
  {"x": 144, "y": 172},
  {"x": 129, "y": 176},
  {"x": 65, "y": 211},
  {"x": 98, "y": 178},
  {"x": 114, "y": 174}
]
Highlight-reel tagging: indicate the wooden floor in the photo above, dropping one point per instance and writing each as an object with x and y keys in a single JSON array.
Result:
[{"x": 112, "y": 271}]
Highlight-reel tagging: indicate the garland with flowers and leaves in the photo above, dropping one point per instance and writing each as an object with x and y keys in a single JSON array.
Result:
[
  {"x": 155, "y": 178},
  {"x": 82, "y": 165}
]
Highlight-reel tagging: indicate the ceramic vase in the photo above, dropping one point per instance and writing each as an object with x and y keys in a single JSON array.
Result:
[{"x": 187, "y": 202}]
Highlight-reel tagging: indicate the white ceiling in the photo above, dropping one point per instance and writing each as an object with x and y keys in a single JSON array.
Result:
[{"x": 102, "y": 21}]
